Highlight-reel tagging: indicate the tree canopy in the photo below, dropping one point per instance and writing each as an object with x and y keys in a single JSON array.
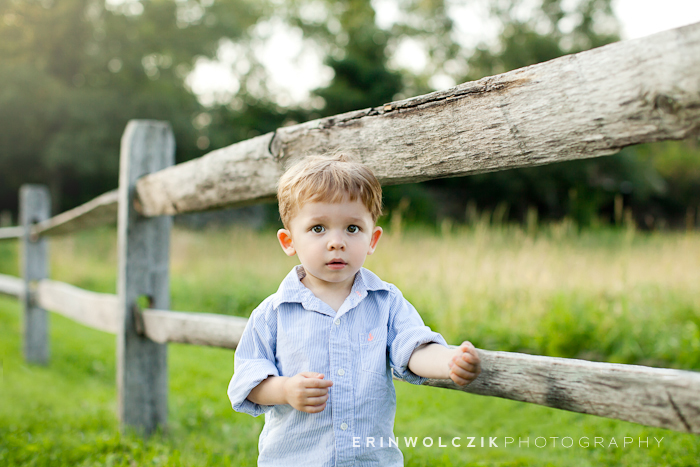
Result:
[{"x": 73, "y": 72}]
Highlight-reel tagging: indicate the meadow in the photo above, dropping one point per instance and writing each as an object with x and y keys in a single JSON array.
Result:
[{"x": 615, "y": 295}]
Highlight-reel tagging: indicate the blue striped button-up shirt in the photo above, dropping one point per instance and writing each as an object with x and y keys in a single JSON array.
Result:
[{"x": 374, "y": 332}]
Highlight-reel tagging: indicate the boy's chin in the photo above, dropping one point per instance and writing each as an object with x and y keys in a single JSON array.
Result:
[{"x": 334, "y": 276}]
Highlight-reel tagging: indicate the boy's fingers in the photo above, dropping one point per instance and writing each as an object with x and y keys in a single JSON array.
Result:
[
  {"x": 313, "y": 408},
  {"x": 315, "y": 392},
  {"x": 318, "y": 383},
  {"x": 466, "y": 366},
  {"x": 470, "y": 367},
  {"x": 469, "y": 359},
  {"x": 316, "y": 401},
  {"x": 472, "y": 358},
  {"x": 463, "y": 373},
  {"x": 311, "y": 374},
  {"x": 307, "y": 374},
  {"x": 468, "y": 348},
  {"x": 460, "y": 381}
]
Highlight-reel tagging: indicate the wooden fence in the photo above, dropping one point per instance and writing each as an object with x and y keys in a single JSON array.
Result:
[{"x": 584, "y": 105}]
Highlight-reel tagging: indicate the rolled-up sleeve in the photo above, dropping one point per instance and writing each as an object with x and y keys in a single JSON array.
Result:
[
  {"x": 254, "y": 360},
  {"x": 406, "y": 332}
]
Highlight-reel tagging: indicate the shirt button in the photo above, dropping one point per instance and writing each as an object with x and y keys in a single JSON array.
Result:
[
  {"x": 337, "y": 322},
  {"x": 341, "y": 372},
  {"x": 344, "y": 426}
]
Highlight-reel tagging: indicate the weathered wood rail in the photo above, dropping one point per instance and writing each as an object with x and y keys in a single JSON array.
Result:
[
  {"x": 589, "y": 104},
  {"x": 96, "y": 310},
  {"x": 649, "y": 396},
  {"x": 584, "y": 105},
  {"x": 12, "y": 286},
  {"x": 11, "y": 232},
  {"x": 100, "y": 211}
]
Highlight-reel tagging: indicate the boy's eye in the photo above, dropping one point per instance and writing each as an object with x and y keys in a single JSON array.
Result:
[
  {"x": 353, "y": 229},
  {"x": 317, "y": 229}
]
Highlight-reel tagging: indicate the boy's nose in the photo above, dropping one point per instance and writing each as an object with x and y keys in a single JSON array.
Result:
[{"x": 336, "y": 243}]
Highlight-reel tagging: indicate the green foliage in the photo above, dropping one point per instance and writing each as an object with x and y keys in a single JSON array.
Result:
[
  {"x": 413, "y": 202},
  {"x": 678, "y": 165},
  {"x": 580, "y": 189},
  {"x": 584, "y": 190},
  {"x": 74, "y": 423},
  {"x": 548, "y": 30},
  {"x": 9, "y": 257},
  {"x": 649, "y": 319},
  {"x": 254, "y": 117},
  {"x": 74, "y": 72},
  {"x": 356, "y": 52},
  {"x": 657, "y": 192}
]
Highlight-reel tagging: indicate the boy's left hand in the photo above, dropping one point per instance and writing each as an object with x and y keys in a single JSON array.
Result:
[{"x": 465, "y": 364}]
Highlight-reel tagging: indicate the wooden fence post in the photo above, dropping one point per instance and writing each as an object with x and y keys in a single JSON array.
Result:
[
  {"x": 34, "y": 206},
  {"x": 143, "y": 249}
]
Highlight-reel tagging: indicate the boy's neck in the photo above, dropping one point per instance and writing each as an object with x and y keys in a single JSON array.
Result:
[{"x": 331, "y": 293}]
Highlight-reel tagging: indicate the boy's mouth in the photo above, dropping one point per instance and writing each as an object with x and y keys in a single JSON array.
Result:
[{"x": 336, "y": 264}]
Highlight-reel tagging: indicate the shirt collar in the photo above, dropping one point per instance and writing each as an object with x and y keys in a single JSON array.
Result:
[{"x": 292, "y": 290}]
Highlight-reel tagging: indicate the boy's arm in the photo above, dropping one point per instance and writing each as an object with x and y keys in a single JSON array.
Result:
[
  {"x": 307, "y": 391},
  {"x": 461, "y": 365}
]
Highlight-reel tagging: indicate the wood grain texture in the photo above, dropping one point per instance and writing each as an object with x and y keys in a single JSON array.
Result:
[
  {"x": 585, "y": 105},
  {"x": 95, "y": 213},
  {"x": 34, "y": 207},
  {"x": 96, "y": 310},
  {"x": 193, "y": 328},
  {"x": 143, "y": 248},
  {"x": 9, "y": 233},
  {"x": 648, "y": 396},
  {"x": 12, "y": 286}
]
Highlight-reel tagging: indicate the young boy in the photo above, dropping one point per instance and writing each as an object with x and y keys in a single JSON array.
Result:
[{"x": 317, "y": 356}]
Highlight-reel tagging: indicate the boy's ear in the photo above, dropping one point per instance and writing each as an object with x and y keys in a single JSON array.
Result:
[
  {"x": 285, "y": 238},
  {"x": 376, "y": 234}
]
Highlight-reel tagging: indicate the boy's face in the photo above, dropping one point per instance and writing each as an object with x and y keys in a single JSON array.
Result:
[{"x": 332, "y": 241}]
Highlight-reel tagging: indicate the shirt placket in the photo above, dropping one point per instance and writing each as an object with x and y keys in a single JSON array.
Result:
[{"x": 343, "y": 389}]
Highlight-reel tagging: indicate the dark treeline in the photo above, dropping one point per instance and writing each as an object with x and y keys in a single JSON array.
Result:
[{"x": 73, "y": 72}]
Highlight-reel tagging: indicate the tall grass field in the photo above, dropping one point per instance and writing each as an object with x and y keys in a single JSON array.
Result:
[{"x": 613, "y": 295}]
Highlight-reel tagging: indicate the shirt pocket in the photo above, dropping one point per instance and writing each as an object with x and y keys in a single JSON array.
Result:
[{"x": 373, "y": 350}]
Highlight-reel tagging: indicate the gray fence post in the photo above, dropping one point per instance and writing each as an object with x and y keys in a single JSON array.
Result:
[
  {"x": 143, "y": 249},
  {"x": 34, "y": 206}
]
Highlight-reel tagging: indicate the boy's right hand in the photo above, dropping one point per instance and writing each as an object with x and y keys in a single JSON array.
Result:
[{"x": 307, "y": 391}]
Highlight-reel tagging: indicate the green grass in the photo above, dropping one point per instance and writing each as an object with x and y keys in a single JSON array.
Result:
[{"x": 607, "y": 295}]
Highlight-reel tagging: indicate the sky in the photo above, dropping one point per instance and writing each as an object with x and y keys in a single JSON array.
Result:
[
  {"x": 641, "y": 18},
  {"x": 295, "y": 65}
]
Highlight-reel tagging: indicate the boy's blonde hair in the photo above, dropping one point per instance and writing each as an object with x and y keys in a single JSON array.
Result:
[{"x": 329, "y": 179}]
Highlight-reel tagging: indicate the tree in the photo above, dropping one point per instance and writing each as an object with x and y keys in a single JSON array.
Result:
[
  {"x": 584, "y": 189},
  {"x": 546, "y": 31},
  {"x": 74, "y": 72}
]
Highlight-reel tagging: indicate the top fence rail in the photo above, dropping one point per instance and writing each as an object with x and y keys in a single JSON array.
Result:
[
  {"x": 585, "y": 105},
  {"x": 95, "y": 213},
  {"x": 589, "y": 104},
  {"x": 100, "y": 211}
]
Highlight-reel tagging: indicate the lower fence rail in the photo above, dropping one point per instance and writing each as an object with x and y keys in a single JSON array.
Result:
[
  {"x": 649, "y": 396},
  {"x": 8, "y": 233},
  {"x": 92, "y": 309},
  {"x": 12, "y": 286},
  {"x": 655, "y": 397}
]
